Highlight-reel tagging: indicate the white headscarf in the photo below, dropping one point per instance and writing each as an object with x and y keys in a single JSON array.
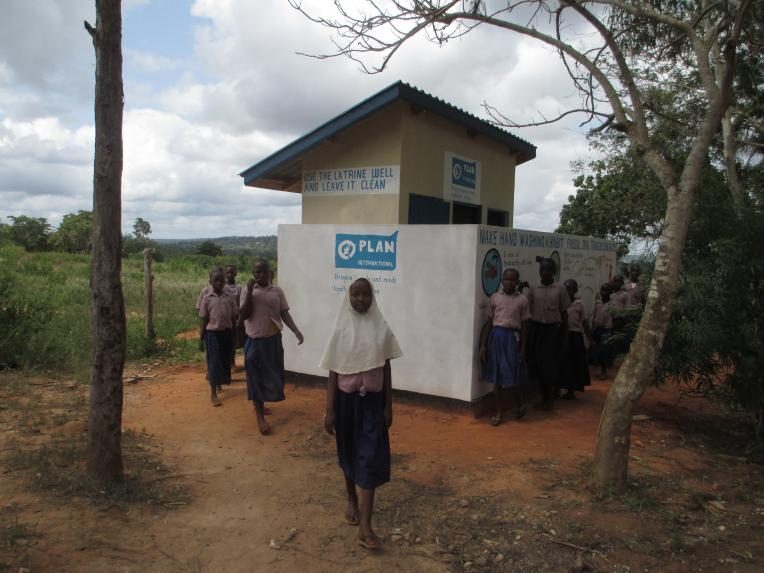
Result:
[{"x": 360, "y": 341}]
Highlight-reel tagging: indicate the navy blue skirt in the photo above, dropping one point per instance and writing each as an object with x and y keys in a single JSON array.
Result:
[
  {"x": 264, "y": 362},
  {"x": 545, "y": 351},
  {"x": 603, "y": 353},
  {"x": 502, "y": 366},
  {"x": 218, "y": 346},
  {"x": 363, "y": 446},
  {"x": 575, "y": 372}
]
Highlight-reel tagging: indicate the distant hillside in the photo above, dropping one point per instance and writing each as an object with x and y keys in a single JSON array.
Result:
[{"x": 248, "y": 246}]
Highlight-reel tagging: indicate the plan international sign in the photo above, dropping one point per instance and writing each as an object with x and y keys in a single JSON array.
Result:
[
  {"x": 372, "y": 252},
  {"x": 461, "y": 178},
  {"x": 380, "y": 180}
]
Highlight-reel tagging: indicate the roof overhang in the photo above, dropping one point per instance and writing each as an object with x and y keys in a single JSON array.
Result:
[{"x": 283, "y": 169}]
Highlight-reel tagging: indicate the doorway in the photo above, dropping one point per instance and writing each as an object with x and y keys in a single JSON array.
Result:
[{"x": 464, "y": 214}]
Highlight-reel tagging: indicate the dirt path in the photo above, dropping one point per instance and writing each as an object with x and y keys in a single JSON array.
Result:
[{"x": 464, "y": 496}]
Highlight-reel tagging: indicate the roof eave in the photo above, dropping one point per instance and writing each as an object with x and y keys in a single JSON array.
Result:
[{"x": 398, "y": 91}]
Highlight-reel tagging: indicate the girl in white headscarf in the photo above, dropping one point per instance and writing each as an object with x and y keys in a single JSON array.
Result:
[{"x": 359, "y": 401}]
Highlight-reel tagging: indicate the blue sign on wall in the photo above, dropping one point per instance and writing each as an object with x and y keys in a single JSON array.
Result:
[
  {"x": 371, "y": 252},
  {"x": 490, "y": 273},
  {"x": 463, "y": 173}
]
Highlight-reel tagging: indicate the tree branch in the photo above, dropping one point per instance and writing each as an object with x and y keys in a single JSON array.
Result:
[
  {"x": 605, "y": 84},
  {"x": 92, "y": 31},
  {"x": 500, "y": 119},
  {"x": 640, "y": 135}
]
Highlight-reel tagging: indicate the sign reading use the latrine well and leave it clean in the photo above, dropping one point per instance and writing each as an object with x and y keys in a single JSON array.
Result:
[{"x": 376, "y": 180}]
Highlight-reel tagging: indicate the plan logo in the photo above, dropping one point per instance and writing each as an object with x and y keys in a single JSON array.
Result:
[
  {"x": 463, "y": 173},
  {"x": 368, "y": 252},
  {"x": 346, "y": 250}
]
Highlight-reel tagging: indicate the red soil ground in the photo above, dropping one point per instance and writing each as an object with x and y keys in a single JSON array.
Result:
[{"x": 464, "y": 496}]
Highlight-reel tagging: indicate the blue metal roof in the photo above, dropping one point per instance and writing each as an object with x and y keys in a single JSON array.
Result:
[{"x": 282, "y": 162}]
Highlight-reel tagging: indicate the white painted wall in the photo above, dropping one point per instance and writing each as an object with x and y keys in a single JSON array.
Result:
[{"x": 433, "y": 299}]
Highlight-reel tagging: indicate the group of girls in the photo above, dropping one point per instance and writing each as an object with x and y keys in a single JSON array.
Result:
[
  {"x": 541, "y": 334},
  {"x": 359, "y": 391},
  {"x": 545, "y": 334},
  {"x": 251, "y": 317},
  {"x": 612, "y": 312}
]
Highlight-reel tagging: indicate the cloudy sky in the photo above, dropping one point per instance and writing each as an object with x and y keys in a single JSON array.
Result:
[{"x": 213, "y": 86}]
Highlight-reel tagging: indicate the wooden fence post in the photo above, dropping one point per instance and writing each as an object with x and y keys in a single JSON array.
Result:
[{"x": 149, "y": 278}]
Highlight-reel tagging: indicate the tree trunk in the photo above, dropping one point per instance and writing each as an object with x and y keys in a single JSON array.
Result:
[
  {"x": 730, "y": 159},
  {"x": 611, "y": 458},
  {"x": 107, "y": 307}
]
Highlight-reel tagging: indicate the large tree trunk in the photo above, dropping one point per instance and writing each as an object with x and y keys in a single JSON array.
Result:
[
  {"x": 107, "y": 307},
  {"x": 611, "y": 458}
]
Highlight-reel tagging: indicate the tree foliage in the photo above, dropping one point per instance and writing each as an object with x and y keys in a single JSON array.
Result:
[
  {"x": 619, "y": 199},
  {"x": 141, "y": 229},
  {"x": 210, "y": 249},
  {"x": 714, "y": 342},
  {"x": 73, "y": 235},
  {"x": 29, "y": 232}
]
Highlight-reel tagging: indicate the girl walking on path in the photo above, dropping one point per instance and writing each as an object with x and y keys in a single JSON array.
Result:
[
  {"x": 359, "y": 401},
  {"x": 234, "y": 289},
  {"x": 264, "y": 309},
  {"x": 217, "y": 315}
]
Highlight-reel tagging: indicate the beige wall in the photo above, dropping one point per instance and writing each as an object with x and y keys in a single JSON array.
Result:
[
  {"x": 418, "y": 143},
  {"x": 426, "y": 139},
  {"x": 372, "y": 142}
]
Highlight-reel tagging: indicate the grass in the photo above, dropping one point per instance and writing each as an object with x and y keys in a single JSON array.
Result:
[
  {"x": 49, "y": 456},
  {"x": 13, "y": 533},
  {"x": 44, "y": 311},
  {"x": 58, "y": 467}
]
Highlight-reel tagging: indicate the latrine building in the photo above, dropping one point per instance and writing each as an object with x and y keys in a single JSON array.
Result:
[
  {"x": 417, "y": 196},
  {"x": 401, "y": 156}
]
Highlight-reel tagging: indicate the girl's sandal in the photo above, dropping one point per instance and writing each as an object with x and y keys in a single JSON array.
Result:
[
  {"x": 521, "y": 411},
  {"x": 352, "y": 519},
  {"x": 496, "y": 420}
]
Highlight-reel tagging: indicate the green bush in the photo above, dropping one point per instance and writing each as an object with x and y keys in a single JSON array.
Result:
[
  {"x": 44, "y": 312},
  {"x": 715, "y": 343}
]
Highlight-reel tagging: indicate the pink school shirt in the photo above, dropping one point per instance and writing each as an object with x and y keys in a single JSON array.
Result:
[
  {"x": 267, "y": 305},
  {"x": 547, "y": 302},
  {"x": 636, "y": 293},
  {"x": 370, "y": 381},
  {"x": 219, "y": 309},
  {"x": 620, "y": 298},
  {"x": 204, "y": 292},
  {"x": 602, "y": 317},
  {"x": 509, "y": 310},
  {"x": 576, "y": 316},
  {"x": 234, "y": 290}
]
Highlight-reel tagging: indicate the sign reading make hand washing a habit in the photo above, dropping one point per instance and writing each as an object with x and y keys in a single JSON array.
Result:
[
  {"x": 379, "y": 180},
  {"x": 461, "y": 179}
]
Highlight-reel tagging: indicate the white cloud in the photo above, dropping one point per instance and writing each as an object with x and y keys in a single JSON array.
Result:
[
  {"x": 241, "y": 95},
  {"x": 150, "y": 62}
]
